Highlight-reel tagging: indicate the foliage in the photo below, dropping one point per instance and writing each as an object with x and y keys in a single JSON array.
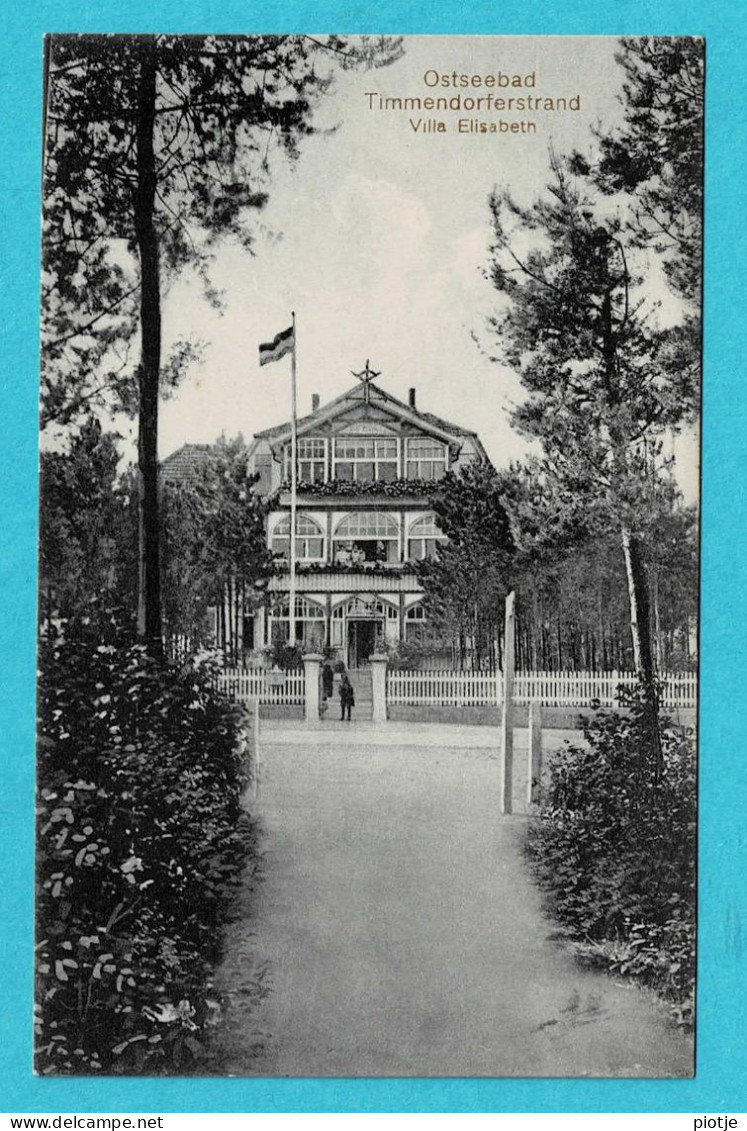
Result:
[
  {"x": 392, "y": 489},
  {"x": 572, "y": 597},
  {"x": 288, "y": 657},
  {"x": 468, "y": 578},
  {"x": 88, "y": 524},
  {"x": 602, "y": 381},
  {"x": 420, "y": 653},
  {"x": 577, "y": 327},
  {"x": 378, "y": 569},
  {"x": 656, "y": 156},
  {"x": 221, "y": 106},
  {"x": 215, "y": 548},
  {"x": 140, "y": 847},
  {"x": 615, "y": 850},
  {"x": 566, "y": 567}
]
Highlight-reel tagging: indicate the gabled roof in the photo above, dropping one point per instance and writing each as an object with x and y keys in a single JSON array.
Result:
[
  {"x": 447, "y": 426},
  {"x": 184, "y": 465},
  {"x": 435, "y": 425}
]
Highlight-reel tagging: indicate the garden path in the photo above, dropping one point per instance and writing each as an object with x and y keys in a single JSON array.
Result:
[{"x": 396, "y": 932}]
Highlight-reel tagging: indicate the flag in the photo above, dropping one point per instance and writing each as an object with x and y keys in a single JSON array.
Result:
[{"x": 280, "y": 345}]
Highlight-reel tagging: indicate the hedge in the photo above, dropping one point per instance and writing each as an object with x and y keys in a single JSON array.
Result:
[
  {"x": 614, "y": 849},
  {"x": 141, "y": 843}
]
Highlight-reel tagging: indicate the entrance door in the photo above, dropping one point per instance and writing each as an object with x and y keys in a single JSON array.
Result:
[{"x": 362, "y": 636}]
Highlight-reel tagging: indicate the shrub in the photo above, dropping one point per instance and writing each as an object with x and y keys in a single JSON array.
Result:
[
  {"x": 615, "y": 850},
  {"x": 288, "y": 657},
  {"x": 140, "y": 847}
]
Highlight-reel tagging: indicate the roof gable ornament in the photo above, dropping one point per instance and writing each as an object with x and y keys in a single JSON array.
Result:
[{"x": 366, "y": 376}]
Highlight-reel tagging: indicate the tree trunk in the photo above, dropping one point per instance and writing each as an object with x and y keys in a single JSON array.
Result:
[
  {"x": 658, "y": 650},
  {"x": 640, "y": 627},
  {"x": 149, "y": 588}
]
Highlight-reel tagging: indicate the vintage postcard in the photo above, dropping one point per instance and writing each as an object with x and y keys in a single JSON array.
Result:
[{"x": 368, "y": 619}]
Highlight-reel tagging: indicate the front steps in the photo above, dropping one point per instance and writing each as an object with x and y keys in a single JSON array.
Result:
[{"x": 361, "y": 681}]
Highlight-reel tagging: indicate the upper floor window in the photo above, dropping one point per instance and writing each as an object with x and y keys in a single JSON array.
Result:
[
  {"x": 426, "y": 459},
  {"x": 309, "y": 539},
  {"x": 366, "y": 537},
  {"x": 423, "y": 538},
  {"x": 360, "y": 459},
  {"x": 311, "y": 460}
]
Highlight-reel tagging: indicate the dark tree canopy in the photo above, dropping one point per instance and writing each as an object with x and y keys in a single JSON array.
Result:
[
  {"x": 222, "y": 105},
  {"x": 577, "y": 328},
  {"x": 215, "y": 550},
  {"x": 468, "y": 579},
  {"x": 657, "y": 155},
  {"x": 88, "y": 523}
]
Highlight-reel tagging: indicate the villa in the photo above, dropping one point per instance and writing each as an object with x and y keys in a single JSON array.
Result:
[{"x": 366, "y": 465}]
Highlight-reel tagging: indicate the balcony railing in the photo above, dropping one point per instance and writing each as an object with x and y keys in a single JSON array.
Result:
[{"x": 381, "y": 488}]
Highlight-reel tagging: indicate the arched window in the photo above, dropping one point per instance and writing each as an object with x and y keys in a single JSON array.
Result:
[
  {"x": 366, "y": 536},
  {"x": 364, "y": 606},
  {"x": 305, "y": 610},
  {"x": 422, "y": 539},
  {"x": 415, "y": 628},
  {"x": 309, "y": 539},
  {"x": 309, "y": 620}
]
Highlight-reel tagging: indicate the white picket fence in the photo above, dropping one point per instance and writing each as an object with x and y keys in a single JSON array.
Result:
[
  {"x": 466, "y": 688},
  {"x": 247, "y": 684},
  {"x": 552, "y": 689},
  {"x": 578, "y": 689},
  {"x": 443, "y": 688}
]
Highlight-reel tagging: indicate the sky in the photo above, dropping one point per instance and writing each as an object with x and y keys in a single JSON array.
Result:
[{"x": 377, "y": 237}]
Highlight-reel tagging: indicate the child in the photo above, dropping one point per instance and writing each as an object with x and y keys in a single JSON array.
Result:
[{"x": 347, "y": 696}]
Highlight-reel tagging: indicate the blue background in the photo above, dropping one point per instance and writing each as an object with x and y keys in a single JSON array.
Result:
[{"x": 719, "y": 1084}]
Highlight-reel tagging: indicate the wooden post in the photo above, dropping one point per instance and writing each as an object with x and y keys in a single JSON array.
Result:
[
  {"x": 534, "y": 753},
  {"x": 294, "y": 499},
  {"x": 255, "y": 731},
  {"x": 507, "y": 717}
]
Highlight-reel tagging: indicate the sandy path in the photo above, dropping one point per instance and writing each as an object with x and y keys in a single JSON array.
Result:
[{"x": 396, "y": 932}]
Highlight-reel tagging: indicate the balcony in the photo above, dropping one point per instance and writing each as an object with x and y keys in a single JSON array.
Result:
[
  {"x": 358, "y": 579},
  {"x": 375, "y": 492}
]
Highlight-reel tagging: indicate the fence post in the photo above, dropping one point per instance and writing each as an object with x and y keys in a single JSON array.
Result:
[
  {"x": 255, "y": 736},
  {"x": 378, "y": 663},
  {"x": 534, "y": 753},
  {"x": 311, "y": 662},
  {"x": 507, "y": 716}
]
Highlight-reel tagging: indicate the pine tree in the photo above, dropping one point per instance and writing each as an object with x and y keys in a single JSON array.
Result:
[
  {"x": 576, "y": 326},
  {"x": 656, "y": 156}
]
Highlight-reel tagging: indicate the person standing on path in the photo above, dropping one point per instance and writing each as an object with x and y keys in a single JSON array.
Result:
[{"x": 347, "y": 696}]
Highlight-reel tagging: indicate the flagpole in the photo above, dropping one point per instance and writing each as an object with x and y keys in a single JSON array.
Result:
[{"x": 294, "y": 475}]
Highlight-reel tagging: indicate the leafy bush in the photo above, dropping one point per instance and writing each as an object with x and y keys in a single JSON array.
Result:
[
  {"x": 423, "y": 653},
  {"x": 140, "y": 845},
  {"x": 394, "y": 488},
  {"x": 615, "y": 850},
  {"x": 281, "y": 654}
]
